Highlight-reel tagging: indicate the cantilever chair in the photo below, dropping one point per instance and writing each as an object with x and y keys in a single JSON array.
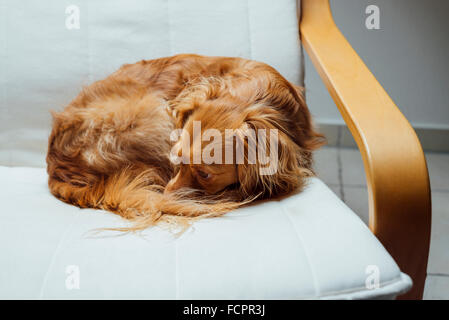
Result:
[
  {"x": 309, "y": 245},
  {"x": 395, "y": 166}
]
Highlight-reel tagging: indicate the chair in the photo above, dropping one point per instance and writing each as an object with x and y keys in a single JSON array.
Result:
[
  {"x": 308, "y": 245},
  {"x": 395, "y": 167}
]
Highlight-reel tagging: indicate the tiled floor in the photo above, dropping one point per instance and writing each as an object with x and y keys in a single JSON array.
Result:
[{"x": 342, "y": 170}]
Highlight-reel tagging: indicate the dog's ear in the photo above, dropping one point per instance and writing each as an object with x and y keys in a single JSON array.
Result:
[
  {"x": 280, "y": 165},
  {"x": 199, "y": 91},
  {"x": 181, "y": 111}
]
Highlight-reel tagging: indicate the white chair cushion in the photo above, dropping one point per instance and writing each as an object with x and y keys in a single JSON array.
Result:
[
  {"x": 44, "y": 65},
  {"x": 309, "y": 245}
]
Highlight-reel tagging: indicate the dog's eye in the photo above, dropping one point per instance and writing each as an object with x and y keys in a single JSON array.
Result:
[{"x": 203, "y": 175}]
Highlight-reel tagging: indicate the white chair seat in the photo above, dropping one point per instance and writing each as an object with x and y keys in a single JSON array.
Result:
[{"x": 309, "y": 245}]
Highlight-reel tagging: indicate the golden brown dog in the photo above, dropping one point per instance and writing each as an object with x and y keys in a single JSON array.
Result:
[{"x": 113, "y": 146}]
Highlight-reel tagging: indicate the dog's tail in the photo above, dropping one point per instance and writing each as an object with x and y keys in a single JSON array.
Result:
[{"x": 136, "y": 196}]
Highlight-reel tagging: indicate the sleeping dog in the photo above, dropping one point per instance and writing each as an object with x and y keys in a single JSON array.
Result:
[{"x": 180, "y": 138}]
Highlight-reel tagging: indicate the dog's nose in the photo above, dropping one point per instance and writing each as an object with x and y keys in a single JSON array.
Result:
[
  {"x": 183, "y": 179},
  {"x": 178, "y": 182}
]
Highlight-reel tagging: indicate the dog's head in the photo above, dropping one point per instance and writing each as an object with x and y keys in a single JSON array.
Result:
[{"x": 249, "y": 137}]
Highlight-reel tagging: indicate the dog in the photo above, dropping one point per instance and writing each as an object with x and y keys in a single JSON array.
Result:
[{"x": 115, "y": 146}]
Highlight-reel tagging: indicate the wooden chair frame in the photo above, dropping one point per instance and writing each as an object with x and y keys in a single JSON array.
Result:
[{"x": 395, "y": 166}]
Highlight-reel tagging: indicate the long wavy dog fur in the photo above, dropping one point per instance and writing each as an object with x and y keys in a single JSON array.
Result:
[{"x": 110, "y": 147}]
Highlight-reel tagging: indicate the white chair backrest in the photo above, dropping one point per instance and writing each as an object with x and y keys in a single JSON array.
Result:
[{"x": 50, "y": 49}]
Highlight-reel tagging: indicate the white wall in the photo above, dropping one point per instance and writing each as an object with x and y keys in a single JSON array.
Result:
[{"x": 409, "y": 56}]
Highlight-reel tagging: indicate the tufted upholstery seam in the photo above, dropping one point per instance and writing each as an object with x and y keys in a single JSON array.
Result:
[
  {"x": 4, "y": 57},
  {"x": 176, "y": 270},
  {"x": 301, "y": 244},
  {"x": 55, "y": 253},
  {"x": 250, "y": 43},
  {"x": 89, "y": 47},
  {"x": 169, "y": 30}
]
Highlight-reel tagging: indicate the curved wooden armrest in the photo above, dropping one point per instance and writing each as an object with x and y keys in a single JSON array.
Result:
[{"x": 395, "y": 166}]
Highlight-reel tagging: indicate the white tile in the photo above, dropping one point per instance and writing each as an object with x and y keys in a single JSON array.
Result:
[
  {"x": 439, "y": 245},
  {"x": 347, "y": 140},
  {"x": 330, "y": 132},
  {"x": 326, "y": 165},
  {"x": 437, "y": 287},
  {"x": 434, "y": 139},
  {"x": 438, "y": 164},
  {"x": 357, "y": 199},
  {"x": 354, "y": 173},
  {"x": 352, "y": 166}
]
